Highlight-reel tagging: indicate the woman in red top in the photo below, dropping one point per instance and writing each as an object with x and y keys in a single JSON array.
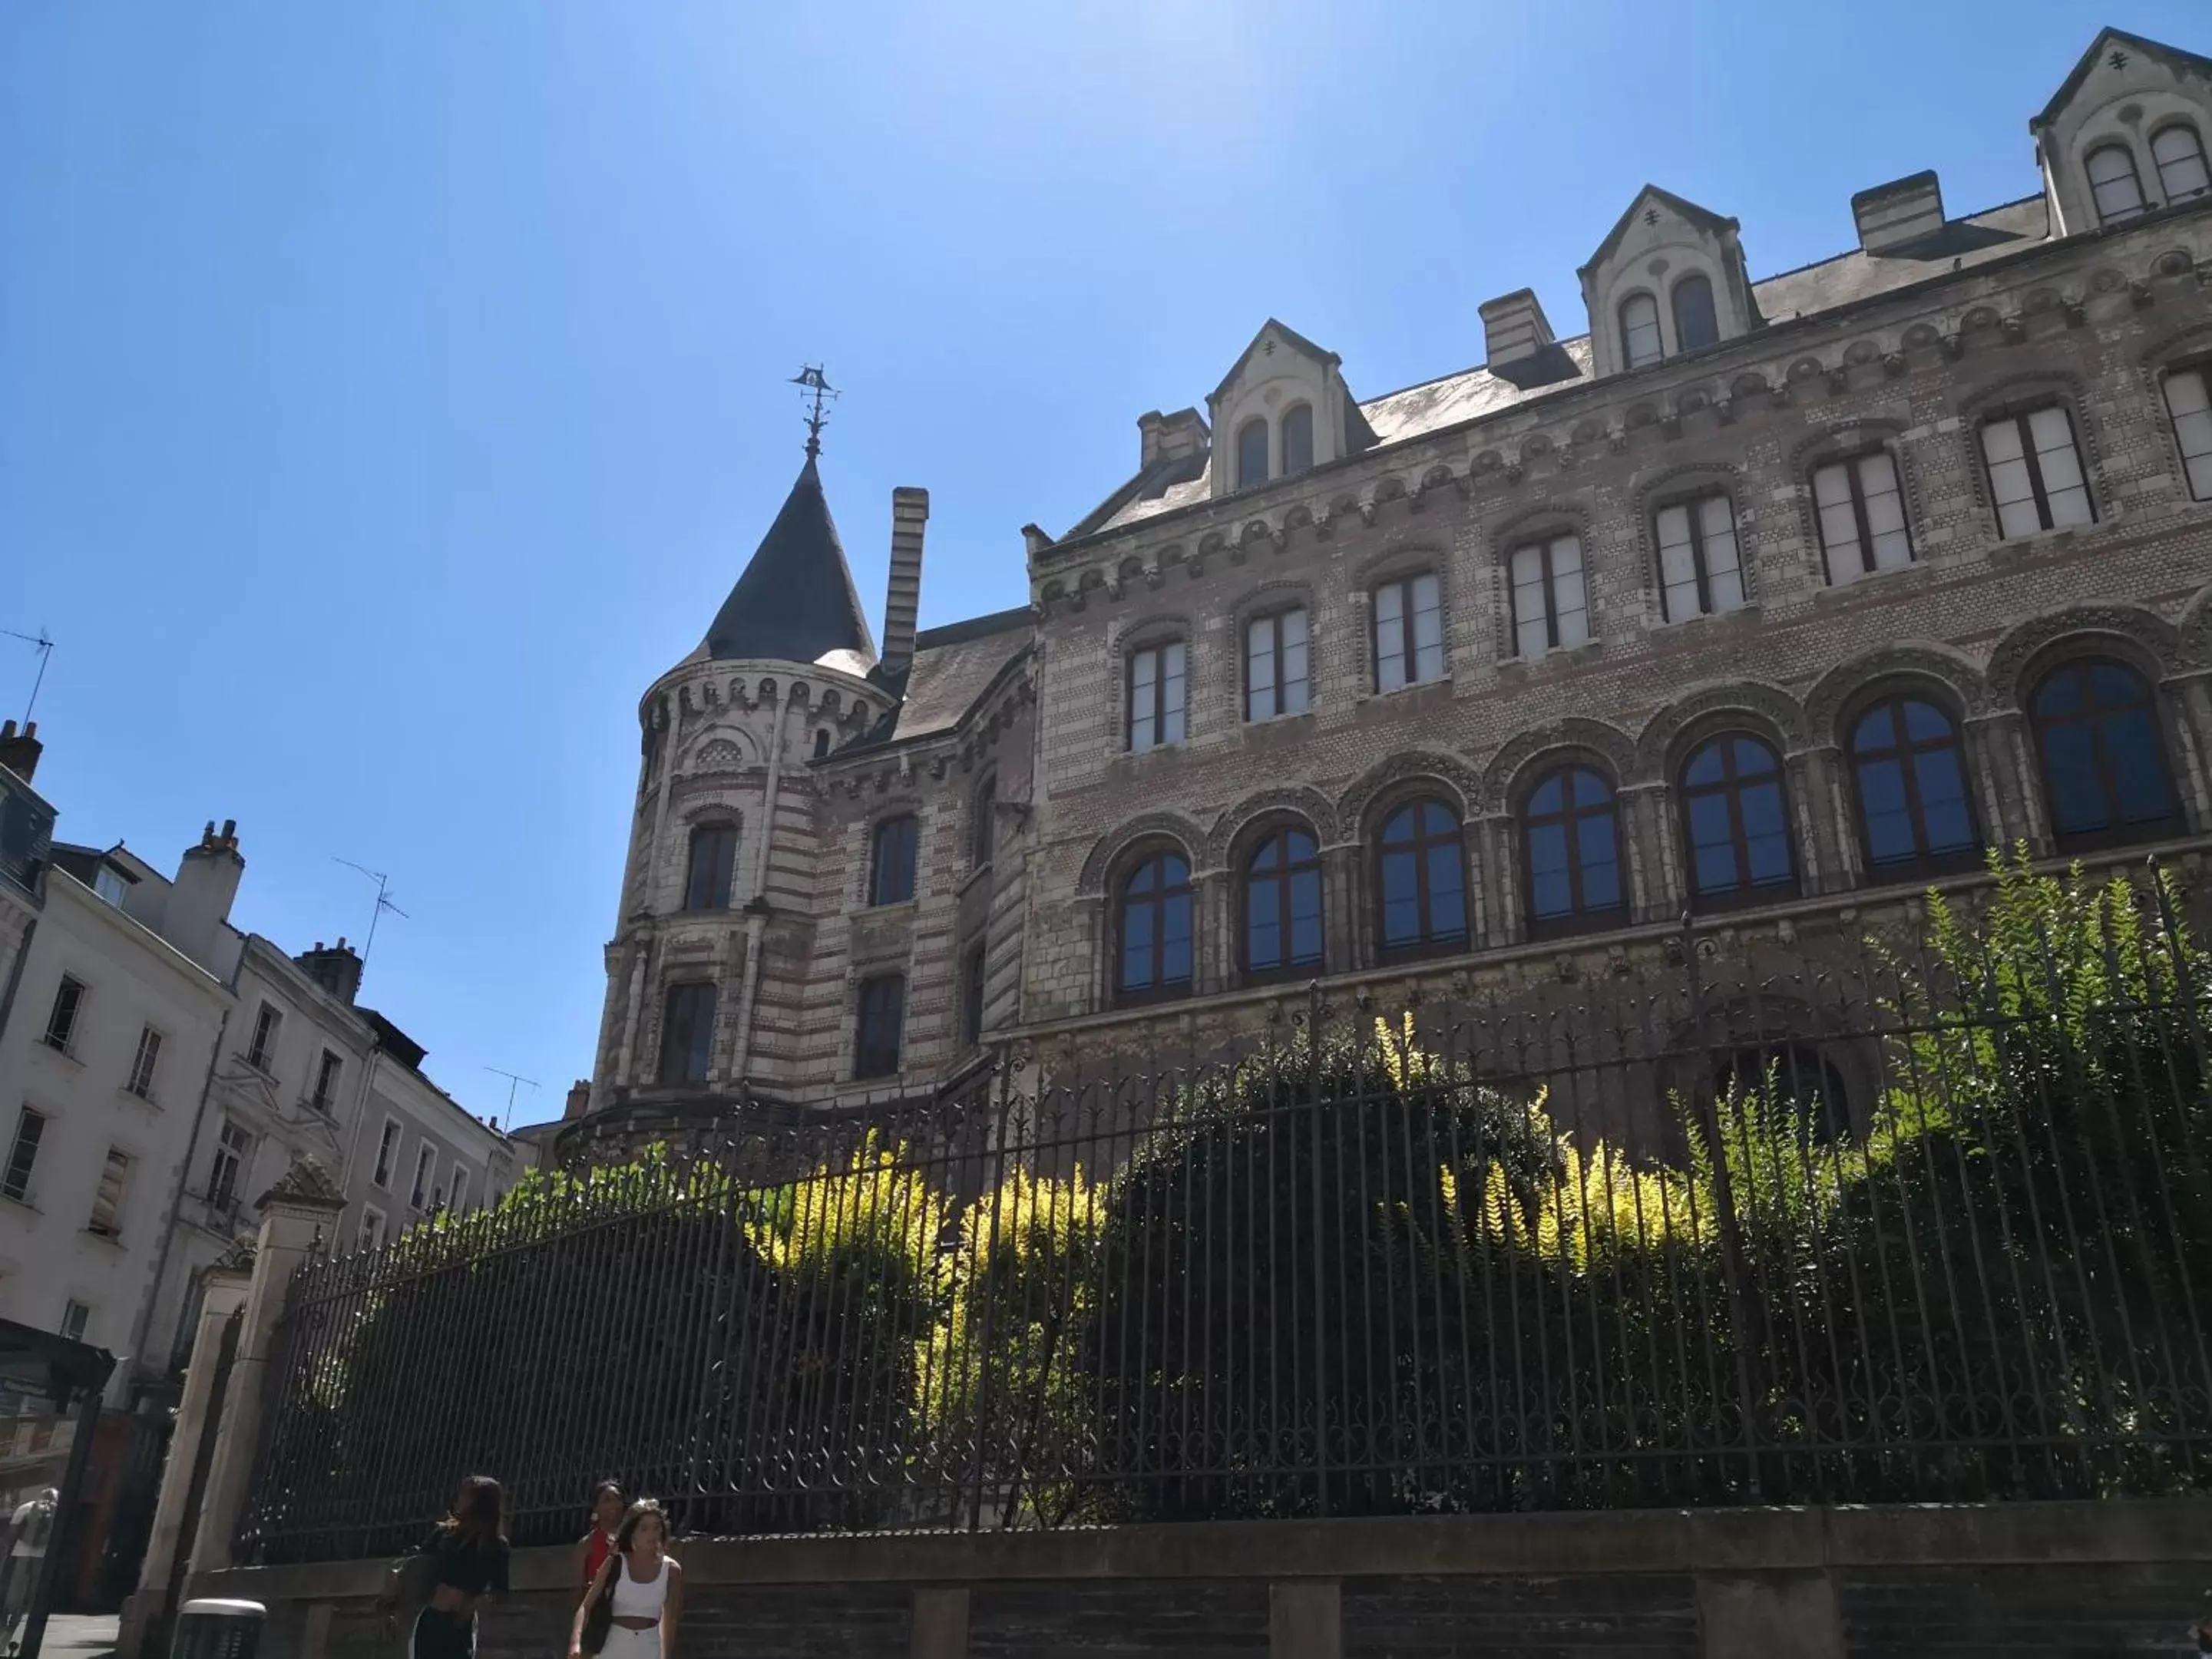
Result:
[{"x": 593, "y": 1549}]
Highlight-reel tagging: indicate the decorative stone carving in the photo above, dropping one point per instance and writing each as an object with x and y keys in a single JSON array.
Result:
[
  {"x": 1845, "y": 681},
  {"x": 1448, "y": 769},
  {"x": 1769, "y": 705},
  {"x": 1151, "y": 826},
  {"x": 1297, "y": 800},
  {"x": 2148, "y": 632},
  {"x": 1500, "y": 779}
]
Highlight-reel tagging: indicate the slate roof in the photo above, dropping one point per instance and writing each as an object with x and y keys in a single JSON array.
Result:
[
  {"x": 953, "y": 667},
  {"x": 1847, "y": 278},
  {"x": 795, "y": 601}
]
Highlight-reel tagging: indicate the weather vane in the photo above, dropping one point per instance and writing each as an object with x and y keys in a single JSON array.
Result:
[{"x": 818, "y": 415}]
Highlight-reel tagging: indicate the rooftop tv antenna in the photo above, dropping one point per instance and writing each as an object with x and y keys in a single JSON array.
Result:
[
  {"x": 383, "y": 903},
  {"x": 818, "y": 394},
  {"x": 43, "y": 643},
  {"x": 513, "y": 1080}
]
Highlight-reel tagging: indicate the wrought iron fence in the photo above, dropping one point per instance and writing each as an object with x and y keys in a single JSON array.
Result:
[{"x": 1928, "y": 1223}]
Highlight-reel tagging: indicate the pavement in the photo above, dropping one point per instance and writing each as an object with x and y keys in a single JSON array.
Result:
[{"x": 78, "y": 1636}]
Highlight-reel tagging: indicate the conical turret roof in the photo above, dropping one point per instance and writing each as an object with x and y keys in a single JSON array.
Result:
[{"x": 795, "y": 602}]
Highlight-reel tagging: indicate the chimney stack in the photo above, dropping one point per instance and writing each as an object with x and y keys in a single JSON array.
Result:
[
  {"x": 335, "y": 968},
  {"x": 579, "y": 1100},
  {"x": 902, "y": 597},
  {"x": 207, "y": 881},
  {"x": 1170, "y": 437},
  {"x": 1900, "y": 211},
  {"x": 19, "y": 750},
  {"x": 1514, "y": 328}
]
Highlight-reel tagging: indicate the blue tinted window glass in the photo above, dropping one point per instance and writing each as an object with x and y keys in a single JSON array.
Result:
[
  {"x": 1446, "y": 895},
  {"x": 1547, "y": 797},
  {"x": 1600, "y": 863},
  {"x": 2078, "y": 802},
  {"x": 1712, "y": 846},
  {"x": 1925, "y": 721},
  {"x": 1401, "y": 899},
  {"x": 1175, "y": 941},
  {"x": 1305, "y": 917},
  {"x": 1765, "y": 833},
  {"x": 1877, "y": 731},
  {"x": 1752, "y": 758},
  {"x": 1705, "y": 766},
  {"x": 1398, "y": 826},
  {"x": 1137, "y": 948},
  {"x": 1591, "y": 790},
  {"x": 2131, "y": 744},
  {"x": 1943, "y": 801}
]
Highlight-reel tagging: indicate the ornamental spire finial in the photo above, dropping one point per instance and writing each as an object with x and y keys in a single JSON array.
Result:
[{"x": 819, "y": 393}]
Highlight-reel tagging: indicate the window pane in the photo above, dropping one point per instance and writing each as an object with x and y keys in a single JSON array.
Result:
[
  {"x": 1175, "y": 940},
  {"x": 2137, "y": 762},
  {"x": 1447, "y": 893},
  {"x": 1143, "y": 699},
  {"x": 1639, "y": 329},
  {"x": 1305, "y": 917},
  {"x": 1888, "y": 815},
  {"x": 1295, "y": 692},
  {"x": 2179, "y": 155},
  {"x": 1942, "y": 788},
  {"x": 2062, "y": 484},
  {"x": 1695, "y": 325},
  {"x": 1550, "y": 795},
  {"x": 1251, "y": 454},
  {"x": 1532, "y": 635},
  {"x": 1259, "y": 669},
  {"x": 1885, "y": 511},
  {"x": 1263, "y": 933},
  {"x": 1765, "y": 833},
  {"x": 1428, "y": 629},
  {"x": 2186, "y": 401},
  {"x": 1173, "y": 659},
  {"x": 1570, "y": 602},
  {"x": 2010, "y": 486},
  {"x": 1712, "y": 844},
  {"x": 2112, "y": 182},
  {"x": 1723, "y": 574},
  {"x": 1549, "y": 890},
  {"x": 1137, "y": 947},
  {"x": 1595, "y": 847},
  {"x": 1401, "y": 899},
  {"x": 2078, "y": 795},
  {"x": 1297, "y": 439},
  {"x": 1678, "y": 568},
  {"x": 1390, "y": 636}
]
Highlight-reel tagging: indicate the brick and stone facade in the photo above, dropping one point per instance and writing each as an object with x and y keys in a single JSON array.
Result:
[{"x": 1906, "y": 347}]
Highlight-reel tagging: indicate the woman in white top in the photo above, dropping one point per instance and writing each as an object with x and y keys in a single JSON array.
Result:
[{"x": 645, "y": 1587}]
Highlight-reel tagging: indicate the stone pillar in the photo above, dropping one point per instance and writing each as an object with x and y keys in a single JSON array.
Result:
[
  {"x": 147, "y": 1609},
  {"x": 297, "y": 1216}
]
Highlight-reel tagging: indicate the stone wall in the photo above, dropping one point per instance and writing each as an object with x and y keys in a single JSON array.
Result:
[{"x": 2075, "y": 1579}]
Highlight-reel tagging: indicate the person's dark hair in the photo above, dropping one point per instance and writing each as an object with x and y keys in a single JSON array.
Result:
[
  {"x": 605, "y": 1487},
  {"x": 626, "y": 1535},
  {"x": 479, "y": 1512}
]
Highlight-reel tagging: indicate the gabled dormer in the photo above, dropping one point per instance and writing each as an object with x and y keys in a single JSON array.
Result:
[
  {"x": 1282, "y": 409},
  {"x": 1669, "y": 279},
  {"x": 2124, "y": 135}
]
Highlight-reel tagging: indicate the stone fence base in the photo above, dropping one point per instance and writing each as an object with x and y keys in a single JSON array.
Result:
[{"x": 2075, "y": 1579}]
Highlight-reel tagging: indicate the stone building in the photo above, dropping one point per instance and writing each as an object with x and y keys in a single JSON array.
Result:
[{"x": 1764, "y": 599}]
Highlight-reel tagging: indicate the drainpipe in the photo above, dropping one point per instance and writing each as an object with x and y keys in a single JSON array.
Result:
[{"x": 175, "y": 1211}]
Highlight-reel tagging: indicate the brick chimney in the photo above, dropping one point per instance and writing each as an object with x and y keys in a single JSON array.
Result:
[
  {"x": 207, "y": 882},
  {"x": 1170, "y": 437},
  {"x": 19, "y": 750},
  {"x": 335, "y": 968},
  {"x": 1902, "y": 210},
  {"x": 579, "y": 1100},
  {"x": 902, "y": 595},
  {"x": 1514, "y": 328}
]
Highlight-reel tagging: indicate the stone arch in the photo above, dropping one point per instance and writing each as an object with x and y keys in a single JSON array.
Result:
[
  {"x": 2194, "y": 632},
  {"x": 1296, "y": 801},
  {"x": 1519, "y": 760},
  {"x": 1845, "y": 684},
  {"x": 1454, "y": 774},
  {"x": 2144, "y": 635},
  {"x": 723, "y": 750},
  {"x": 2176, "y": 343},
  {"x": 1768, "y": 706},
  {"x": 1115, "y": 844}
]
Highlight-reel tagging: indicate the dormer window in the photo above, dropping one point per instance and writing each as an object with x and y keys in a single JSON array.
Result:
[
  {"x": 2177, "y": 153},
  {"x": 1297, "y": 440},
  {"x": 2112, "y": 183},
  {"x": 1640, "y": 345},
  {"x": 1696, "y": 323},
  {"x": 1252, "y": 454}
]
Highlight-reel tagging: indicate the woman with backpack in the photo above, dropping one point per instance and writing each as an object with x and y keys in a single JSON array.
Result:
[
  {"x": 461, "y": 1567},
  {"x": 632, "y": 1606}
]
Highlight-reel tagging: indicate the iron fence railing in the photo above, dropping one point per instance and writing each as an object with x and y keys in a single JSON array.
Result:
[{"x": 1929, "y": 1223}]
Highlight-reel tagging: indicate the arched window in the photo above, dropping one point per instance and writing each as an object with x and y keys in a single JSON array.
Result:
[
  {"x": 1421, "y": 879},
  {"x": 1571, "y": 835},
  {"x": 2112, "y": 183},
  {"x": 1914, "y": 812},
  {"x": 982, "y": 828},
  {"x": 687, "y": 1032},
  {"x": 1736, "y": 820},
  {"x": 1282, "y": 903},
  {"x": 1252, "y": 452},
  {"x": 879, "y": 1019},
  {"x": 2179, "y": 155},
  {"x": 891, "y": 857},
  {"x": 1297, "y": 439},
  {"x": 714, "y": 855},
  {"x": 1639, "y": 331},
  {"x": 2103, "y": 760},
  {"x": 1154, "y": 953},
  {"x": 1695, "y": 323},
  {"x": 1791, "y": 1074}
]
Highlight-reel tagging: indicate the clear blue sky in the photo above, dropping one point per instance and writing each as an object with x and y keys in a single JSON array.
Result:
[{"x": 389, "y": 392}]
